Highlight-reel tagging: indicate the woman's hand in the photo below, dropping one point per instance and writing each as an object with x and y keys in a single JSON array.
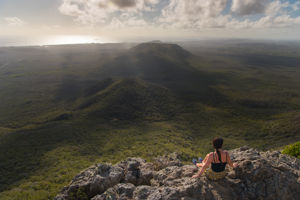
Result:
[
  {"x": 196, "y": 176},
  {"x": 235, "y": 165},
  {"x": 199, "y": 164}
]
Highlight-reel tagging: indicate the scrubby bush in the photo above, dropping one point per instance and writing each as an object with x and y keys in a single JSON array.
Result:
[{"x": 292, "y": 150}]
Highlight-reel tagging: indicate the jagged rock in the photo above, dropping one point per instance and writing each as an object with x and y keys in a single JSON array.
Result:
[
  {"x": 259, "y": 175},
  {"x": 142, "y": 192},
  {"x": 167, "y": 160},
  {"x": 137, "y": 171},
  {"x": 121, "y": 191},
  {"x": 95, "y": 180}
]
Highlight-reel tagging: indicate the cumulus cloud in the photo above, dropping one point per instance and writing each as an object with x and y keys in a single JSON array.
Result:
[
  {"x": 14, "y": 21},
  {"x": 132, "y": 21},
  {"x": 101, "y": 11},
  {"x": 71, "y": 8},
  {"x": 275, "y": 8},
  {"x": 192, "y": 12},
  {"x": 183, "y": 14},
  {"x": 296, "y": 6},
  {"x": 201, "y": 14},
  {"x": 281, "y": 21}
]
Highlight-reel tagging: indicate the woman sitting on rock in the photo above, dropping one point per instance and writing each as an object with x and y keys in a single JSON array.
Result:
[{"x": 217, "y": 160}]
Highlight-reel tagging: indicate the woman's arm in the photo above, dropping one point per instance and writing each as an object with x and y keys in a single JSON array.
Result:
[
  {"x": 206, "y": 164},
  {"x": 203, "y": 162}
]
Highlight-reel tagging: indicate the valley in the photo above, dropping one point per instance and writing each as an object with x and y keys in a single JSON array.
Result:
[{"x": 66, "y": 107}]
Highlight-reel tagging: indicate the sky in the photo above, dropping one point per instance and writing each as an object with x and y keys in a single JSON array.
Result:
[{"x": 79, "y": 21}]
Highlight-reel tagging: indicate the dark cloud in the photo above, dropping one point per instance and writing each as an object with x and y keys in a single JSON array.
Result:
[
  {"x": 124, "y": 3},
  {"x": 249, "y": 7}
]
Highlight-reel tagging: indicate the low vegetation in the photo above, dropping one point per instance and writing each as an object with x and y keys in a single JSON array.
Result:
[
  {"x": 292, "y": 150},
  {"x": 64, "y": 108}
]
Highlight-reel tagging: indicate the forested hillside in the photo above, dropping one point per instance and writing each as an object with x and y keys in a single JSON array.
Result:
[{"x": 64, "y": 108}]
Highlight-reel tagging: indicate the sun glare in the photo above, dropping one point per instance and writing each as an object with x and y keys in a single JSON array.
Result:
[{"x": 74, "y": 39}]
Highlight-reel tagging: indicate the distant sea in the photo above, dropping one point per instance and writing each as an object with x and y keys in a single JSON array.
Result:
[
  {"x": 20, "y": 41},
  {"x": 50, "y": 40}
]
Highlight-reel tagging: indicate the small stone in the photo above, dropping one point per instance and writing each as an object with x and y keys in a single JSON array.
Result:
[{"x": 244, "y": 148}]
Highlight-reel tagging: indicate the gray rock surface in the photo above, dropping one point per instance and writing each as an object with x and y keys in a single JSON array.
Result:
[{"x": 259, "y": 175}]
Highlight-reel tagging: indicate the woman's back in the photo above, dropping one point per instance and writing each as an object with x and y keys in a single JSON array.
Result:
[
  {"x": 224, "y": 155},
  {"x": 218, "y": 164}
]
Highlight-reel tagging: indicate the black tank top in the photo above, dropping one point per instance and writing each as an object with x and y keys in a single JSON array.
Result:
[{"x": 218, "y": 167}]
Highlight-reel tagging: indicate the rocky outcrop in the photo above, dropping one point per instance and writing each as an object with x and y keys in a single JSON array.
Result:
[{"x": 259, "y": 175}]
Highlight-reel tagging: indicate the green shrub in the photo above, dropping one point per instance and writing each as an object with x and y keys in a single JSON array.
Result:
[{"x": 292, "y": 150}]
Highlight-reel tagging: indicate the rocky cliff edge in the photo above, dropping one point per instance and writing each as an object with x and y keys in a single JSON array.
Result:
[{"x": 259, "y": 175}]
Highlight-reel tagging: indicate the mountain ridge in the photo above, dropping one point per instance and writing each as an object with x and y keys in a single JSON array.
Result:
[{"x": 130, "y": 99}]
